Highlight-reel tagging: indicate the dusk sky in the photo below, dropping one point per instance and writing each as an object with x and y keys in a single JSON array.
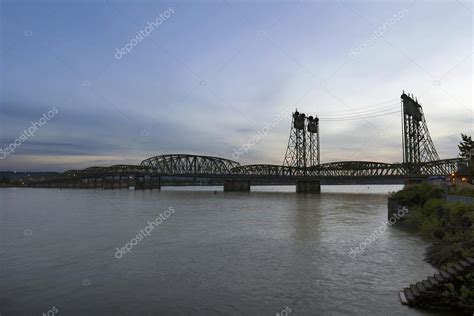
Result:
[{"x": 209, "y": 76}]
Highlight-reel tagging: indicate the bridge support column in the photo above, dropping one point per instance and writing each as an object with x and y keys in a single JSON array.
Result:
[
  {"x": 236, "y": 185},
  {"x": 139, "y": 182},
  {"x": 131, "y": 182},
  {"x": 115, "y": 183},
  {"x": 123, "y": 182},
  {"x": 308, "y": 186},
  {"x": 147, "y": 182},
  {"x": 155, "y": 183},
  {"x": 107, "y": 182},
  {"x": 144, "y": 182}
]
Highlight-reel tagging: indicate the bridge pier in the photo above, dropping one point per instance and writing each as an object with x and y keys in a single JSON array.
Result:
[
  {"x": 236, "y": 185},
  {"x": 89, "y": 183},
  {"x": 147, "y": 182},
  {"x": 116, "y": 184},
  {"x": 139, "y": 182},
  {"x": 123, "y": 182},
  {"x": 156, "y": 182},
  {"x": 96, "y": 183},
  {"x": 107, "y": 183},
  {"x": 131, "y": 182},
  {"x": 308, "y": 186}
]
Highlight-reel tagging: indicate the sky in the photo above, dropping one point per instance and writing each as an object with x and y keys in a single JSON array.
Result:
[{"x": 209, "y": 75}]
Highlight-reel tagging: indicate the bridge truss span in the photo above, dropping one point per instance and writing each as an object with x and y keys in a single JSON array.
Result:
[
  {"x": 357, "y": 169},
  {"x": 192, "y": 165},
  {"x": 301, "y": 162},
  {"x": 328, "y": 170},
  {"x": 351, "y": 169},
  {"x": 267, "y": 171}
]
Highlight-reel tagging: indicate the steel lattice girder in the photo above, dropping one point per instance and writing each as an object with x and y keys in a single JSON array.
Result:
[
  {"x": 303, "y": 144},
  {"x": 202, "y": 166},
  {"x": 351, "y": 169},
  {"x": 97, "y": 171},
  {"x": 335, "y": 169},
  {"x": 265, "y": 170},
  {"x": 72, "y": 173},
  {"x": 418, "y": 146},
  {"x": 181, "y": 164}
]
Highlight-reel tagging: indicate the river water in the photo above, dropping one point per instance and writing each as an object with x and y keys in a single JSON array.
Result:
[{"x": 259, "y": 253}]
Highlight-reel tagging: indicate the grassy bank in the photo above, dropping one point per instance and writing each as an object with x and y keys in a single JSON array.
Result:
[{"x": 450, "y": 226}]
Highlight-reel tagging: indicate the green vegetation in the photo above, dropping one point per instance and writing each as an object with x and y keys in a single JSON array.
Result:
[
  {"x": 463, "y": 192},
  {"x": 417, "y": 194},
  {"x": 466, "y": 151},
  {"x": 451, "y": 226}
]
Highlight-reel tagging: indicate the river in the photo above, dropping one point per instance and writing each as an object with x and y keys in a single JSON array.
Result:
[{"x": 260, "y": 253}]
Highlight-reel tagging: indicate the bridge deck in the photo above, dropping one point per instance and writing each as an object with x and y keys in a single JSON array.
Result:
[{"x": 192, "y": 166}]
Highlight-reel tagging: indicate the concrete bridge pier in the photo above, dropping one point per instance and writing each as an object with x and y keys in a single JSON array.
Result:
[
  {"x": 140, "y": 182},
  {"x": 98, "y": 182},
  {"x": 131, "y": 181},
  {"x": 116, "y": 182},
  {"x": 236, "y": 185},
  {"x": 108, "y": 182},
  {"x": 91, "y": 183},
  {"x": 155, "y": 182},
  {"x": 123, "y": 182},
  {"x": 147, "y": 182},
  {"x": 308, "y": 186}
]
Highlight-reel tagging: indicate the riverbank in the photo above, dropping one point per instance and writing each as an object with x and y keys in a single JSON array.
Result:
[{"x": 450, "y": 227}]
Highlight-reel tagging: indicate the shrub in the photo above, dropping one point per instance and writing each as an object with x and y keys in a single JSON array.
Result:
[
  {"x": 452, "y": 224},
  {"x": 464, "y": 192},
  {"x": 417, "y": 194}
]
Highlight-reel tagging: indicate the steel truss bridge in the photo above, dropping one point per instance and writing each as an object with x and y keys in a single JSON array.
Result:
[
  {"x": 301, "y": 161},
  {"x": 185, "y": 165}
]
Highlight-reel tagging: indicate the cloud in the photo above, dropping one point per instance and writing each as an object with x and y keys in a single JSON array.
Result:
[{"x": 206, "y": 85}]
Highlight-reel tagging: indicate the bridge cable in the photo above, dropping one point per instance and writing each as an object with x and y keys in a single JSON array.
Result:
[
  {"x": 353, "y": 114},
  {"x": 366, "y": 108},
  {"x": 358, "y": 118}
]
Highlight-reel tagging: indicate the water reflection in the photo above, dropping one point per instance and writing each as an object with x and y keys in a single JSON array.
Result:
[{"x": 227, "y": 253}]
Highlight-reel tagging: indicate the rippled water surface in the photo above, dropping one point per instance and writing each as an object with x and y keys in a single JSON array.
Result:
[{"x": 217, "y": 254}]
